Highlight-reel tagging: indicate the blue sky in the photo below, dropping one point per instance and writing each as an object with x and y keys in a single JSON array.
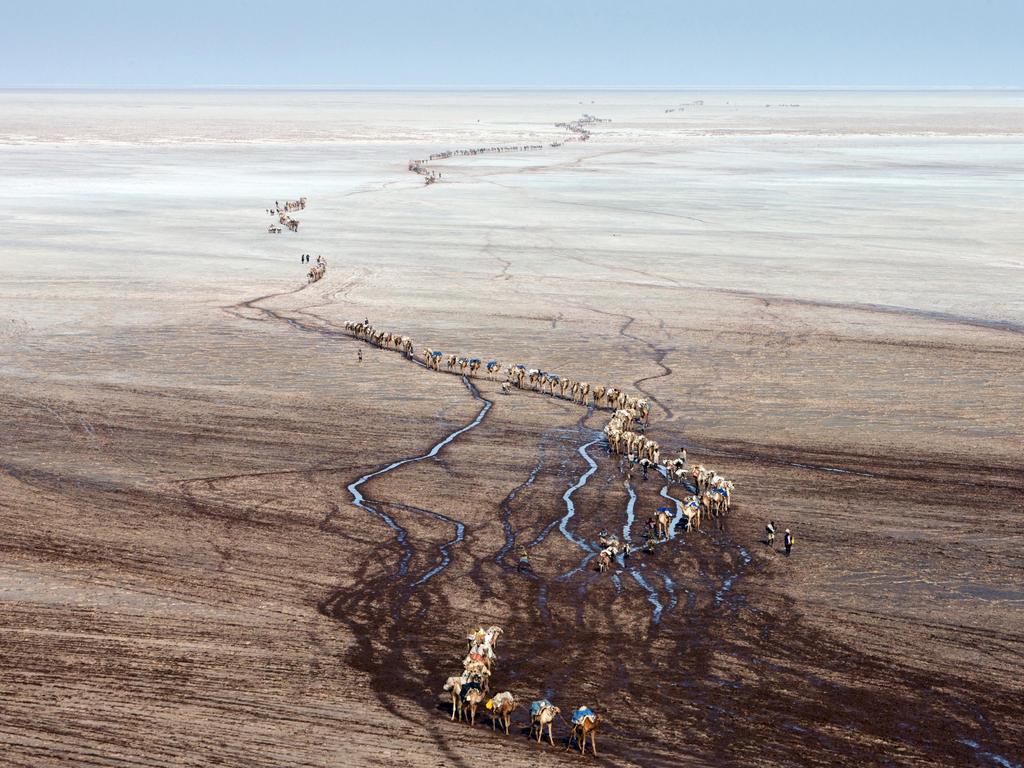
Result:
[{"x": 152, "y": 43}]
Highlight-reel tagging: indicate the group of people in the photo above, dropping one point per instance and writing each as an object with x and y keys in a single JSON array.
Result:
[
  {"x": 288, "y": 207},
  {"x": 304, "y": 259},
  {"x": 788, "y": 539}
]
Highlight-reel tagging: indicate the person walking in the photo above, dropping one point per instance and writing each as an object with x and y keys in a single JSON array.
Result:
[
  {"x": 787, "y": 541},
  {"x": 770, "y": 533},
  {"x": 359, "y": 355}
]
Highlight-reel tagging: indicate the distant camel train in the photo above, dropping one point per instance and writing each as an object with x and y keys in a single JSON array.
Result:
[{"x": 576, "y": 129}]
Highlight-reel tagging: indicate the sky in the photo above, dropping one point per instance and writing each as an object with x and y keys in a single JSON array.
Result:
[{"x": 517, "y": 43}]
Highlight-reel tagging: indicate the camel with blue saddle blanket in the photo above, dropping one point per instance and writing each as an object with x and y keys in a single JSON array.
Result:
[
  {"x": 584, "y": 723},
  {"x": 543, "y": 713}
]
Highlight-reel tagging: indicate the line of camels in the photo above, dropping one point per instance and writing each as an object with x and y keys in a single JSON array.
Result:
[
  {"x": 714, "y": 493},
  {"x": 576, "y": 128},
  {"x": 282, "y": 211},
  {"x": 468, "y": 690}
]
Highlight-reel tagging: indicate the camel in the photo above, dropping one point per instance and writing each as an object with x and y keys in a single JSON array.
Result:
[
  {"x": 480, "y": 674},
  {"x": 493, "y": 633},
  {"x": 677, "y": 466},
  {"x": 584, "y": 392},
  {"x": 481, "y": 654},
  {"x": 543, "y": 713},
  {"x": 599, "y": 395},
  {"x": 663, "y": 520},
  {"x": 506, "y": 388},
  {"x": 432, "y": 359},
  {"x": 707, "y": 502},
  {"x": 463, "y": 365},
  {"x": 700, "y": 476},
  {"x": 453, "y": 685},
  {"x": 493, "y": 368},
  {"x": 614, "y": 441},
  {"x": 488, "y": 636},
  {"x": 603, "y": 560},
  {"x": 471, "y": 699},
  {"x": 586, "y": 725},
  {"x": 722, "y": 497},
  {"x": 692, "y": 512},
  {"x": 502, "y": 706},
  {"x": 450, "y": 361},
  {"x": 517, "y": 374},
  {"x": 611, "y": 396}
]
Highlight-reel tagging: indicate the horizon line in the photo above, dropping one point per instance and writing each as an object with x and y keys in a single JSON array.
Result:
[{"x": 485, "y": 87}]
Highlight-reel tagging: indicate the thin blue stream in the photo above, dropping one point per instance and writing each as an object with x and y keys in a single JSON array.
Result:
[{"x": 360, "y": 501}]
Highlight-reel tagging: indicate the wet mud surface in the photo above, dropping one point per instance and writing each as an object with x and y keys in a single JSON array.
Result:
[{"x": 703, "y": 651}]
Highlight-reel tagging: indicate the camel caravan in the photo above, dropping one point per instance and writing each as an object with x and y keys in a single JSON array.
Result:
[
  {"x": 282, "y": 211},
  {"x": 470, "y": 690},
  {"x": 431, "y": 176},
  {"x": 576, "y": 130},
  {"x": 623, "y": 432}
]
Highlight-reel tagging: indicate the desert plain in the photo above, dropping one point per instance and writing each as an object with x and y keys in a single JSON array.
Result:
[{"x": 821, "y": 294}]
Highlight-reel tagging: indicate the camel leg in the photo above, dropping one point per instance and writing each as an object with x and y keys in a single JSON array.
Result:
[
  {"x": 551, "y": 736},
  {"x": 593, "y": 742},
  {"x": 453, "y": 707}
]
